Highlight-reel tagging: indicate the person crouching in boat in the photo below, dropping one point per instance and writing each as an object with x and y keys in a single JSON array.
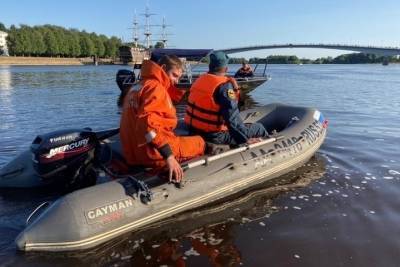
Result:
[
  {"x": 149, "y": 118},
  {"x": 244, "y": 71},
  {"x": 213, "y": 111}
]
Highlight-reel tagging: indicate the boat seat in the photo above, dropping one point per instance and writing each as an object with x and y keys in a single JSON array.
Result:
[{"x": 211, "y": 149}]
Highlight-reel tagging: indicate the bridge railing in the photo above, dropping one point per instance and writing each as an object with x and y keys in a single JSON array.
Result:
[{"x": 319, "y": 45}]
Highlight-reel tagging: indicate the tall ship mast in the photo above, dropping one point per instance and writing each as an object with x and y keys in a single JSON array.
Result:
[
  {"x": 135, "y": 31},
  {"x": 136, "y": 52},
  {"x": 147, "y": 32},
  {"x": 164, "y": 34}
]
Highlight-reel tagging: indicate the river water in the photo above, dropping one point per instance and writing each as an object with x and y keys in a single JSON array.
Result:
[{"x": 340, "y": 209}]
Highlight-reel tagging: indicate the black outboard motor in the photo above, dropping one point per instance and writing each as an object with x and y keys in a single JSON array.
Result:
[
  {"x": 65, "y": 158},
  {"x": 125, "y": 79}
]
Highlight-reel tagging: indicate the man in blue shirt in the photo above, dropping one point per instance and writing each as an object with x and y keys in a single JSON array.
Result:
[{"x": 213, "y": 107}]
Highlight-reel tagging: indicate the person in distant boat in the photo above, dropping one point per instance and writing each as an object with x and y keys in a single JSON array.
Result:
[
  {"x": 244, "y": 71},
  {"x": 125, "y": 80},
  {"x": 149, "y": 118},
  {"x": 213, "y": 111}
]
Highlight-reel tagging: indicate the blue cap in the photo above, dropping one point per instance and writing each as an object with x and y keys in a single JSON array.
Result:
[{"x": 218, "y": 59}]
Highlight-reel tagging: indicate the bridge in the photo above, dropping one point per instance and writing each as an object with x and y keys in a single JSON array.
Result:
[{"x": 380, "y": 51}]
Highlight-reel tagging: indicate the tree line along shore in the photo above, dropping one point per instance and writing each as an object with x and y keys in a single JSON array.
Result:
[
  {"x": 343, "y": 59},
  {"x": 52, "y": 61},
  {"x": 354, "y": 58},
  {"x": 55, "y": 41}
]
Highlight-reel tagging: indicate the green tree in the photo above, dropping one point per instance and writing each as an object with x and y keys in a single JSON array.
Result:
[
  {"x": 103, "y": 39},
  {"x": 50, "y": 40},
  {"x": 74, "y": 44},
  {"x": 98, "y": 45},
  {"x": 293, "y": 60},
  {"x": 3, "y": 27},
  {"x": 237, "y": 60},
  {"x": 25, "y": 38},
  {"x": 12, "y": 41},
  {"x": 61, "y": 41},
  {"x": 51, "y": 44},
  {"x": 38, "y": 45},
  {"x": 100, "y": 48},
  {"x": 112, "y": 46},
  {"x": 159, "y": 45},
  {"x": 87, "y": 46}
]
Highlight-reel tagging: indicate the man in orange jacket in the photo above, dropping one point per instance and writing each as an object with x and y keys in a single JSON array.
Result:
[{"x": 149, "y": 118}]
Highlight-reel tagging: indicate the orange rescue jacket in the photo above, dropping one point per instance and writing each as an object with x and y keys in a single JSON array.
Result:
[
  {"x": 148, "y": 116},
  {"x": 202, "y": 112}
]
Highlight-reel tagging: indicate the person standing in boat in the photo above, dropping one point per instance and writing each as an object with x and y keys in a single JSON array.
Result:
[
  {"x": 244, "y": 71},
  {"x": 149, "y": 118},
  {"x": 213, "y": 111}
]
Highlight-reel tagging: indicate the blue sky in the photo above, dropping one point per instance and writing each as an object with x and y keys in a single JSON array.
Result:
[{"x": 222, "y": 24}]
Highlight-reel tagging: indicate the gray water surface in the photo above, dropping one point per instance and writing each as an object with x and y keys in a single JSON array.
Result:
[{"x": 341, "y": 209}]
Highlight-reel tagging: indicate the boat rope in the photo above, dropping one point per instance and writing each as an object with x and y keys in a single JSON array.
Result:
[
  {"x": 143, "y": 191},
  {"x": 46, "y": 203}
]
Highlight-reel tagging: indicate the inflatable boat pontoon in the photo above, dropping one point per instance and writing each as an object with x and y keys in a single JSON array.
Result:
[{"x": 91, "y": 216}]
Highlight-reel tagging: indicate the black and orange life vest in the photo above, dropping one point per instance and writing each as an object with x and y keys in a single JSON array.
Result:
[{"x": 202, "y": 112}]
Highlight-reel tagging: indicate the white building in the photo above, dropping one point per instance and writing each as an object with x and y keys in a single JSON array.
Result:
[{"x": 3, "y": 43}]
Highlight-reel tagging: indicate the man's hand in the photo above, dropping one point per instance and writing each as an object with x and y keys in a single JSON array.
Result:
[
  {"x": 175, "y": 170},
  {"x": 254, "y": 140},
  {"x": 234, "y": 83}
]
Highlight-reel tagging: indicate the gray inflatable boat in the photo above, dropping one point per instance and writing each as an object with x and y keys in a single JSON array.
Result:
[{"x": 91, "y": 216}]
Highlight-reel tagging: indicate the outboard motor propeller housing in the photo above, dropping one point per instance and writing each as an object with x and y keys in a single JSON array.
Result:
[{"x": 65, "y": 158}]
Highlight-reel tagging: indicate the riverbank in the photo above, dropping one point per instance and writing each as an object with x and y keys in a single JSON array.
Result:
[{"x": 48, "y": 61}]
